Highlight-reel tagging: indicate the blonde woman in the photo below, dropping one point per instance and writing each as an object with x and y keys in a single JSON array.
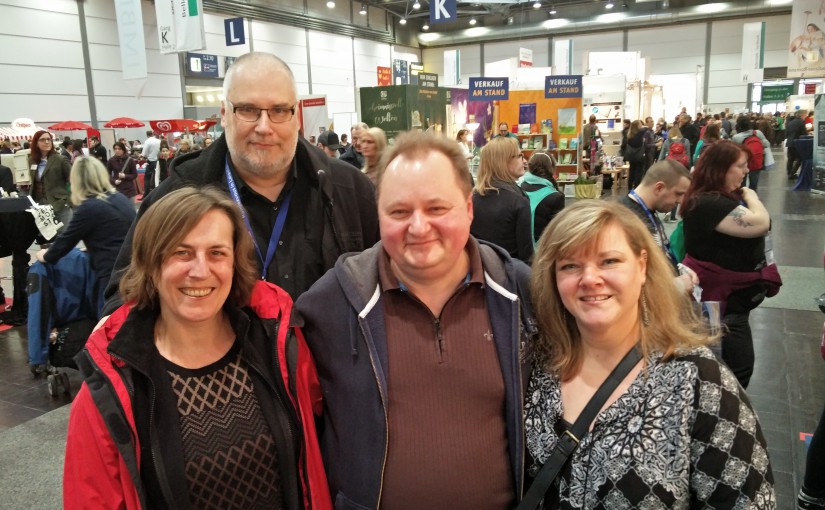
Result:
[
  {"x": 678, "y": 431},
  {"x": 501, "y": 210},
  {"x": 373, "y": 142},
  {"x": 101, "y": 220}
]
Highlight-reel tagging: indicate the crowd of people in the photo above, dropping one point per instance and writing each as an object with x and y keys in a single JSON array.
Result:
[{"x": 321, "y": 324}]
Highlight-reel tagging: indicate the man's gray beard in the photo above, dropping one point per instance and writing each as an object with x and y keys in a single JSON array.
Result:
[{"x": 263, "y": 168}]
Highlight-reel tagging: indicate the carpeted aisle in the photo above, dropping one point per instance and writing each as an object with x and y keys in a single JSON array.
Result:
[{"x": 32, "y": 462}]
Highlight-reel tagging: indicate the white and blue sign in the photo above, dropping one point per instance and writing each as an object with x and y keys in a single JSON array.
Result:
[
  {"x": 442, "y": 11},
  {"x": 563, "y": 86},
  {"x": 201, "y": 65},
  {"x": 234, "y": 31},
  {"x": 489, "y": 89}
]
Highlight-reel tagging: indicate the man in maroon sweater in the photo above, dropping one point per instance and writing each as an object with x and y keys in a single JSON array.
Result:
[{"x": 418, "y": 342}]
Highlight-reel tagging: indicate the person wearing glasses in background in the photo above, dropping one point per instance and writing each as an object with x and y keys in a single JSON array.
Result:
[
  {"x": 501, "y": 210},
  {"x": 302, "y": 208},
  {"x": 50, "y": 178}
]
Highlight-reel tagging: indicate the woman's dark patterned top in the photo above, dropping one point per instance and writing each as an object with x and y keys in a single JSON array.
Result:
[{"x": 684, "y": 435}]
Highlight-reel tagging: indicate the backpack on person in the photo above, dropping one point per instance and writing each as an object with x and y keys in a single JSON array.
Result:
[
  {"x": 756, "y": 160},
  {"x": 678, "y": 152}
]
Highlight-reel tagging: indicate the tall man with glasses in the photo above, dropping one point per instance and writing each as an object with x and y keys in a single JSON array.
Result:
[{"x": 302, "y": 208}]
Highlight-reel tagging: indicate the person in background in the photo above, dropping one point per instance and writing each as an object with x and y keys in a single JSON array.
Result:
[
  {"x": 504, "y": 131},
  {"x": 418, "y": 341},
  {"x": 661, "y": 191},
  {"x": 725, "y": 227},
  {"x": 744, "y": 130},
  {"x": 50, "y": 178},
  {"x": 67, "y": 150},
  {"x": 501, "y": 210},
  {"x": 262, "y": 158},
  {"x": 123, "y": 171},
  {"x": 150, "y": 152},
  {"x": 97, "y": 150},
  {"x": 373, "y": 141},
  {"x": 634, "y": 153},
  {"x": 675, "y": 136},
  {"x": 183, "y": 148},
  {"x": 77, "y": 149},
  {"x": 5, "y": 146},
  {"x": 193, "y": 377},
  {"x": 328, "y": 141},
  {"x": 344, "y": 144},
  {"x": 601, "y": 289},
  {"x": 101, "y": 220},
  {"x": 353, "y": 154},
  {"x": 689, "y": 131},
  {"x": 590, "y": 132},
  {"x": 463, "y": 139},
  {"x": 794, "y": 129},
  {"x": 163, "y": 163},
  {"x": 207, "y": 141},
  {"x": 712, "y": 135},
  {"x": 543, "y": 192}
]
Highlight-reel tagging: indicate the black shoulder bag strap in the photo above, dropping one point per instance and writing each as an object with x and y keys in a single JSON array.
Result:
[{"x": 569, "y": 441}]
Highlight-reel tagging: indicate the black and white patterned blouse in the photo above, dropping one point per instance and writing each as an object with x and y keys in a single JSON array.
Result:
[{"x": 684, "y": 435}]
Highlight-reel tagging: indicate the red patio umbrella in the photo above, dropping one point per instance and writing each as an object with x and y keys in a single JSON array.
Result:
[
  {"x": 124, "y": 122},
  {"x": 70, "y": 125}
]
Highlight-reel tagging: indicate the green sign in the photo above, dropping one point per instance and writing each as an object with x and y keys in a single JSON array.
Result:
[{"x": 776, "y": 93}]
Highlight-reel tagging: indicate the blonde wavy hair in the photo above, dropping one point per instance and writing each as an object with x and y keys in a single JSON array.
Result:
[
  {"x": 495, "y": 158},
  {"x": 673, "y": 324}
]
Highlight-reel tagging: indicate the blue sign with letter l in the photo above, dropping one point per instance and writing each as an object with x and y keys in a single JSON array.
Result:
[
  {"x": 442, "y": 11},
  {"x": 234, "y": 31},
  {"x": 489, "y": 89}
]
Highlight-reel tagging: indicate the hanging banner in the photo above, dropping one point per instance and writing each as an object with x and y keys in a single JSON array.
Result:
[
  {"x": 563, "y": 56},
  {"x": 452, "y": 67},
  {"x": 525, "y": 57},
  {"x": 563, "y": 86},
  {"x": 443, "y": 11},
  {"x": 753, "y": 52},
  {"x": 180, "y": 25},
  {"x": 806, "y": 51},
  {"x": 488, "y": 89},
  {"x": 130, "y": 36}
]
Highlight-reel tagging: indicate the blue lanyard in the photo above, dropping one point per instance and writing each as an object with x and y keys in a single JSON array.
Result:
[
  {"x": 665, "y": 241},
  {"x": 276, "y": 231}
]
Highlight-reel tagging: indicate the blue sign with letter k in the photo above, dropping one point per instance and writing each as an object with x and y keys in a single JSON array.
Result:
[{"x": 442, "y": 11}]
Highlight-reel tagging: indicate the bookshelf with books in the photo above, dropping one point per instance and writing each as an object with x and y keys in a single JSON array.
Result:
[
  {"x": 532, "y": 142},
  {"x": 567, "y": 160}
]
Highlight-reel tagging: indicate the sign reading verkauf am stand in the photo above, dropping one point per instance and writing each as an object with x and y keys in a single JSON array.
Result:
[
  {"x": 489, "y": 89},
  {"x": 556, "y": 87}
]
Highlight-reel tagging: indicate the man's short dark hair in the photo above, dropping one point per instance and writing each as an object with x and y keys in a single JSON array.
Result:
[
  {"x": 669, "y": 171},
  {"x": 416, "y": 144}
]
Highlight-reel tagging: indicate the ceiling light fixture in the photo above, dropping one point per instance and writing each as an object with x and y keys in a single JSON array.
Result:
[
  {"x": 331, "y": 4},
  {"x": 553, "y": 10},
  {"x": 417, "y": 5},
  {"x": 425, "y": 26},
  {"x": 473, "y": 20},
  {"x": 403, "y": 21},
  {"x": 608, "y": 5},
  {"x": 363, "y": 11},
  {"x": 537, "y": 5}
]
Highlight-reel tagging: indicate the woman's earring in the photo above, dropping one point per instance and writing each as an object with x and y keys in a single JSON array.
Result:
[{"x": 645, "y": 311}]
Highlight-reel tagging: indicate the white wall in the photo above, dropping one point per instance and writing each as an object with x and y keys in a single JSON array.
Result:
[{"x": 510, "y": 49}]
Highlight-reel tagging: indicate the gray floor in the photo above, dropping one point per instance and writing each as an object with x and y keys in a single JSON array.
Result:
[{"x": 787, "y": 388}]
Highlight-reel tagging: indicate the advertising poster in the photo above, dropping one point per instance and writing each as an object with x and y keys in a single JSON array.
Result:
[
  {"x": 384, "y": 76},
  {"x": 130, "y": 34},
  {"x": 486, "y": 89},
  {"x": 806, "y": 51},
  {"x": 563, "y": 86},
  {"x": 400, "y": 72},
  {"x": 818, "y": 184}
]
